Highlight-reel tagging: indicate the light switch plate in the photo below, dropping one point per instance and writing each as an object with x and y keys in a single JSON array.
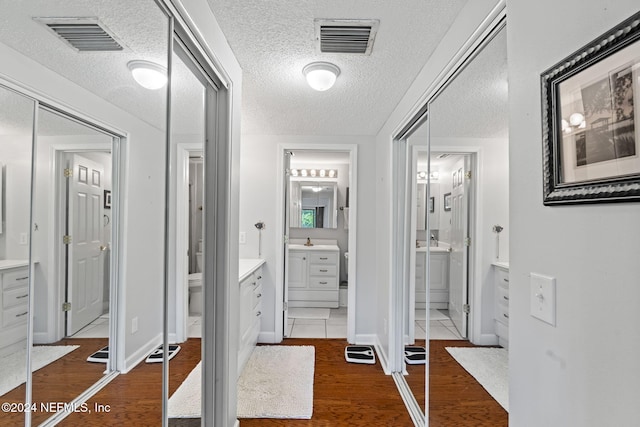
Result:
[
  {"x": 243, "y": 237},
  {"x": 543, "y": 298}
]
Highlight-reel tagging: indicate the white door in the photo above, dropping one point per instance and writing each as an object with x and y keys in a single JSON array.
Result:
[
  {"x": 458, "y": 283},
  {"x": 85, "y": 260},
  {"x": 285, "y": 242}
]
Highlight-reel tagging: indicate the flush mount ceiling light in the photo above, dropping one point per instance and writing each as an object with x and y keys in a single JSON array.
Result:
[
  {"x": 148, "y": 74},
  {"x": 321, "y": 75}
]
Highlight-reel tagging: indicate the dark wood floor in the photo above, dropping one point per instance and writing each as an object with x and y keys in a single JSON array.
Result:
[{"x": 344, "y": 394}]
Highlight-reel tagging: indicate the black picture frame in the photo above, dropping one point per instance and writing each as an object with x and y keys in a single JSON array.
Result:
[
  {"x": 591, "y": 121},
  {"x": 107, "y": 199},
  {"x": 447, "y": 202}
]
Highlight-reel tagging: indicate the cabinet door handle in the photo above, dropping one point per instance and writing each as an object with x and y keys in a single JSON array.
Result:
[
  {"x": 259, "y": 296},
  {"x": 254, "y": 283},
  {"x": 505, "y": 297},
  {"x": 259, "y": 277},
  {"x": 22, "y": 314},
  {"x": 506, "y": 280},
  {"x": 324, "y": 258},
  {"x": 323, "y": 283},
  {"x": 258, "y": 314},
  {"x": 505, "y": 315},
  {"x": 22, "y": 296},
  {"x": 323, "y": 271},
  {"x": 22, "y": 278}
]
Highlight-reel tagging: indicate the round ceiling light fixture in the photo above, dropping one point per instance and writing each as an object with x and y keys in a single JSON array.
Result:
[
  {"x": 148, "y": 74},
  {"x": 321, "y": 75}
]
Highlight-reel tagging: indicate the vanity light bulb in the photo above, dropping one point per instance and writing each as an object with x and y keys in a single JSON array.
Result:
[
  {"x": 312, "y": 172},
  {"x": 332, "y": 173},
  {"x": 294, "y": 172},
  {"x": 322, "y": 173},
  {"x": 576, "y": 119},
  {"x": 303, "y": 172}
]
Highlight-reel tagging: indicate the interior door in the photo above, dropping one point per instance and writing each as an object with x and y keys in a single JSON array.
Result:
[
  {"x": 458, "y": 260},
  {"x": 85, "y": 262},
  {"x": 285, "y": 242}
]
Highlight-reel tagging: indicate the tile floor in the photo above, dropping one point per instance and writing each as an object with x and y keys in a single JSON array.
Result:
[
  {"x": 440, "y": 327},
  {"x": 333, "y": 327},
  {"x": 99, "y": 328},
  {"x": 194, "y": 327}
]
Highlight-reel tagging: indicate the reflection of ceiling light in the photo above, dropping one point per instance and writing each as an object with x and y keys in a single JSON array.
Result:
[
  {"x": 435, "y": 175},
  {"x": 316, "y": 189},
  {"x": 576, "y": 119},
  {"x": 321, "y": 75},
  {"x": 422, "y": 175},
  {"x": 148, "y": 74}
]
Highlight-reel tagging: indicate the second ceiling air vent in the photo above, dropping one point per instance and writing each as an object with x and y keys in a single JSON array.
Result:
[
  {"x": 83, "y": 34},
  {"x": 354, "y": 36}
]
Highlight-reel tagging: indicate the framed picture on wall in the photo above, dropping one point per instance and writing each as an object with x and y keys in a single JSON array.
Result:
[
  {"x": 447, "y": 202},
  {"x": 107, "y": 199},
  {"x": 591, "y": 121}
]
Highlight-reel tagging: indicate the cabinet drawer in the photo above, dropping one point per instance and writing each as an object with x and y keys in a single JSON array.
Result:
[
  {"x": 13, "y": 297},
  {"x": 502, "y": 313},
  {"x": 15, "y": 278},
  {"x": 502, "y": 296},
  {"x": 323, "y": 282},
  {"x": 257, "y": 296},
  {"x": 502, "y": 331},
  {"x": 502, "y": 278},
  {"x": 15, "y": 315},
  {"x": 323, "y": 258},
  {"x": 323, "y": 270}
]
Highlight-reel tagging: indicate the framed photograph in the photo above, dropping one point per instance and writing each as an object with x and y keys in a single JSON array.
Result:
[
  {"x": 591, "y": 121},
  {"x": 107, "y": 199},
  {"x": 432, "y": 204},
  {"x": 447, "y": 202}
]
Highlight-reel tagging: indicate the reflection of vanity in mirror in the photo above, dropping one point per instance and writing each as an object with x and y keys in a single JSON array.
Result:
[{"x": 313, "y": 204}]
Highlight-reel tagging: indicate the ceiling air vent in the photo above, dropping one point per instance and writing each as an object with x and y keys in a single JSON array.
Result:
[
  {"x": 83, "y": 34},
  {"x": 355, "y": 36}
]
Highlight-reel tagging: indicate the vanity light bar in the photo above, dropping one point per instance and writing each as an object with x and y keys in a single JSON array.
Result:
[{"x": 315, "y": 173}]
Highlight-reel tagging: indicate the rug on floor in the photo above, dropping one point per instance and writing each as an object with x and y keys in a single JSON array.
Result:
[
  {"x": 309, "y": 313},
  {"x": 489, "y": 366},
  {"x": 13, "y": 370},
  {"x": 277, "y": 382}
]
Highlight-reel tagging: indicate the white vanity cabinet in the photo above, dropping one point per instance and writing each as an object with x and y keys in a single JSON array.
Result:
[
  {"x": 250, "y": 313},
  {"x": 313, "y": 277},
  {"x": 439, "y": 280},
  {"x": 14, "y": 283},
  {"x": 501, "y": 304}
]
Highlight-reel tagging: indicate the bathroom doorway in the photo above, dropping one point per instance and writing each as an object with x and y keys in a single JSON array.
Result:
[{"x": 318, "y": 255}]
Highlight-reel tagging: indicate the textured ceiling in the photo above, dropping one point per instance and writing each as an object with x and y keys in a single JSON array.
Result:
[{"x": 274, "y": 40}]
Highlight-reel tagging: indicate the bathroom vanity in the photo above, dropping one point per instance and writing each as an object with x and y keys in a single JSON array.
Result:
[
  {"x": 250, "y": 310},
  {"x": 14, "y": 282},
  {"x": 501, "y": 311},
  {"x": 438, "y": 277},
  {"x": 314, "y": 274}
]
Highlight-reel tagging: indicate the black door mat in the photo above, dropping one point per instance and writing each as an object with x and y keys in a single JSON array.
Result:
[
  {"x": 156, "y": 355},
  {"x": 360, "y": 354},
  {"x": 100, "y": 356},
  {"x": 415, "y": 355}
]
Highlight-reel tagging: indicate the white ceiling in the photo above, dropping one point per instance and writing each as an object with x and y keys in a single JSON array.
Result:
[
  {"x": 302, "y": 158},
  {"x": 274, "y": 40}
]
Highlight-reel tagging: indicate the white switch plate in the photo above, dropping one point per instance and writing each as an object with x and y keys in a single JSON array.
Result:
[
  {"x": 243, "y": 237},
  {"x": 543, "y": 298},
  {"x": 24, "y": 238}
]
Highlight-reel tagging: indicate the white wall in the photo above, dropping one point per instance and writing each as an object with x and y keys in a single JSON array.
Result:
[
  {"x": 467, "y": 21},
  {"x": 584, "y": 371},
  {"x": 258, "y": 201}
]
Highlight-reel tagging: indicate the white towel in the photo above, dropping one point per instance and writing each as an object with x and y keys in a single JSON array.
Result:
[{"x": 345, "y": 211}]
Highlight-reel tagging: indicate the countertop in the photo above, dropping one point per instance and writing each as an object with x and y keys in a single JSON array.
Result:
[
  {"x": 12, "y": 263},
  {"x": 295, "y": 246},
  {"x": 248, "y": 266},
  {"x": 432, "y": 249},
  {"x": 501, "y": 264}
]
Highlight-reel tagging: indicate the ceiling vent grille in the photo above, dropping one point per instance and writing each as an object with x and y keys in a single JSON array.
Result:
[
  {"x": 353, "y": 36},
  {"x": 83, "y": 34}
]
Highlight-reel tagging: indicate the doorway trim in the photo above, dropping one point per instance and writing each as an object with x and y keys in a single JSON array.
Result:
[{"x": 352, "y": 149}]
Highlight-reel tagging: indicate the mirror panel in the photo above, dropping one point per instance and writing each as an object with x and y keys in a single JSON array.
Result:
[
  {"x": 16, "y": 134},
  {"x": 313, "y": 204}
]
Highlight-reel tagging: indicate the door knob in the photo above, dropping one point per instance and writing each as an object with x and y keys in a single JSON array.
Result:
[{"x": 103, "y": 248}]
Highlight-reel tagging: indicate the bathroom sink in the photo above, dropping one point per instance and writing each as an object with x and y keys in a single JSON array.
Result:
[{"x": 314, "y": 247}]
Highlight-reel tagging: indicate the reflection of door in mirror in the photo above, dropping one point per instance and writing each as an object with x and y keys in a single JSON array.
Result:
[
  {"x": 69, "y": 202},
  {"x": 16, "y": 123}
]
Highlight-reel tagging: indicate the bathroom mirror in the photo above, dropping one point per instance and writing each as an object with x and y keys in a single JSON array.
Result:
[
  {"x": 16, "y": 129},
  {"x": 313, "y": 204}
]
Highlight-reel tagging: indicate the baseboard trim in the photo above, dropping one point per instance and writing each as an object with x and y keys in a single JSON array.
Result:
[
  {"x": 138, "y": 356},
  {"x": 366, "y": 339},
  {"x": 486, "y": 339},
  {"x": 267, "y": 338},
  {"x": 384, "y": 358}
]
